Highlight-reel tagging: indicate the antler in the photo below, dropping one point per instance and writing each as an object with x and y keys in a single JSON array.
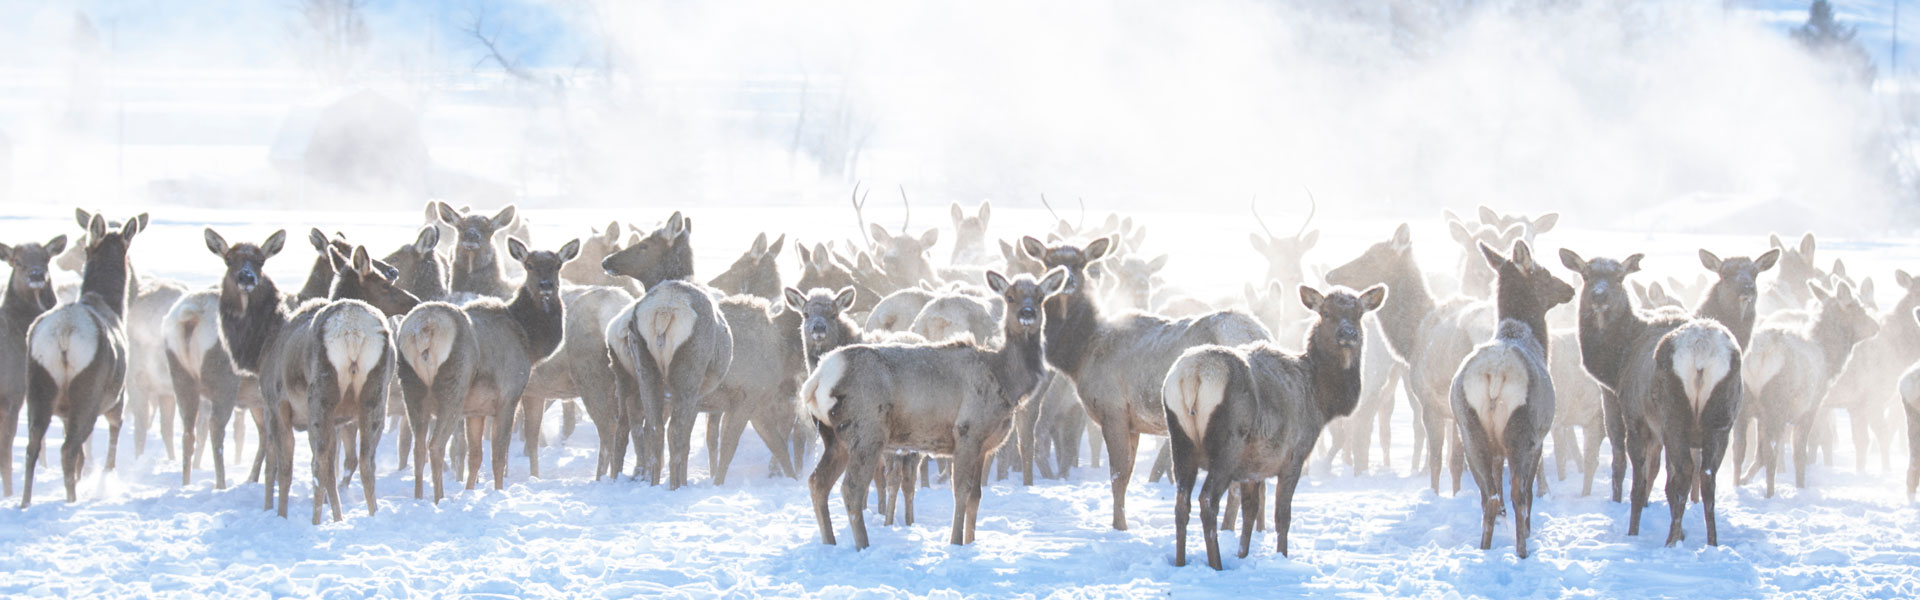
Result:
[
  {"x": 1043, "y": 202},
  {"x": 909, "y": 209},
  {"x": 859, "y": 201},
  {"x": 1313, "y": 206},
  {"x": 1254, "y": 207}
]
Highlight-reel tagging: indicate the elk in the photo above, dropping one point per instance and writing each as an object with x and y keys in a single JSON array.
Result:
[
  {"x": 375, "y": 283},
  {"x": 1429, "y": 337},
  {"x": 825, "y": 327},
  {"x": 76, "y": 359},
  {"x": 579, "y": 369},
  {"x": 954, "y": 399},
  {"x": 472, "y": 362},
  {"x": 1118, "y": 362},
  {"x": 476, "y": 265},
  {"x": 448, "y": 236},
  {"x": 666, "y": 254},
  {"x": 29, "y": 293},
  {"x": 1797, "y": 267},
  {"x": 674, "y": 349},
  {"x": 756, "y": 272},
  {"x": 1794, "y": 358},
  {"x": 1672, "y": 380},
  {"x": 818, "y": 270},
  {"x": 204, "y": 378},
  {"x": 769, "y": 362},
  {"x": 1577, "y": 403},
  {"x": 1248, "y": 412},
  {"x": 970, "y": 233},
  {"x": 596, "y": 247},
  {"x": 1908, "y": 389},
  {"x": 1876, "y": 364},
  {"x": 1502, "y": 395},
  {"x": 1496, "y": 230},
  {"x": 320, "y": 276},
  {"x": 423, "y": 271}
]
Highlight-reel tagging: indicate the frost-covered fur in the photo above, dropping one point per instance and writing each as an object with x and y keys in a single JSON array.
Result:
[{"x": 676, "y": 350}]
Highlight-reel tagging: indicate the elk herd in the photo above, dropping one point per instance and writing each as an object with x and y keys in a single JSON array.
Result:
[{"x": 886, "y": 359}]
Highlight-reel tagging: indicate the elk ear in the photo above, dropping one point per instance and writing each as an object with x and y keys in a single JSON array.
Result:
[
  {"x": 1840, "y": 269},
  {"x": 1402, "y": 238},
  {"x": 1034, "y": 249},
  {"x": 142, "y": 219},
  {"x": 759, "y": 245},
  {"x": 504, "y": 218},
  {"x": 879, "y": 234},
  {"x": 1487, "y": 216},
  {"x": 1312, "y": 298},
  {"x": 1274, "y": 288},
  {"x": 676, "y": 225},
  {"x": 569, "y": 250},
  {"x": 1259, "y": 243},
  {"x": 793, "y": 297},
  {"x": 1374, "y": 297},
  {"x": 1866, "y": 290},
  {"x": 340, "y": 264},
  {"x": 1100, "y": 248},
  {"x": 1632, "y": 263},
  {"x": 1845, "y": 293},
  {"x": 613, "y": 232},
  {"x": 866, "y": 262},
  {"x": 1054, "y": 282},
  {"x": 1819, "y": 292},
  {"x": 318, "y": 238},
  {"x": 1766, "y": 260},
  {"x": 1459, "y": 233},
  {"x": 1902, "y": 278},
  {"x": 216, "y": 244},
  {"x": 958, "y": 215},
  {"x": 1308, "y": 241},
  {"x": 1712, "y": 263},
  {"x": 931, "y": 237},
  {"x": 130, "y": 228},
  {"x": 274, "y": 243},
  {"x": 6, "y": 253},
  {"x": 985, "y": 213},
  {"x": 1806, "y": 246},
  {"x": 1252, "y": 296},
  {"x": 773, "y": 249},
  {"x": 96, "y": 229},
  {"x": 845, "y": 298},
  {"x": 428, "y": 239},
  {"x": 56, "y": 245},
  {"x": 1640, "y": 291},
  {"x": 445, "y": 212},
  {"x": 1158, "y": 263},
  {"x": 362, "y": 264},
  {"x": 995, "y": 281},
  {"x": 1492, "y": 256},
  {"x": 1773, "y": 241},
  {"x": 806, "y": 256},
  {"x": 516, "y": 249},
  {"x": 1545, "y": 223},
  {"x": 1571, "y": 260},
  {"x": 1521, "y": 255},
  {"x": 82, "y": 217}
]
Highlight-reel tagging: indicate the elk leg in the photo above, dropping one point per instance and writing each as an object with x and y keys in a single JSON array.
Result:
[
  {"x": 713, "y": 444},
  {"x": 569, "y": 418},
  {"x": 114, "y": 420},
  {"x": 476, "y": 435},
  {"x": 1210, "y": 493},
  {"x": 39, "y": 417},
  {"x": 1186, "y": 469},
  {"x": 833, "y": 462},
  {"x": 909, "y": 482},
  {"x": 1616, "y": 425},
  {"x": 1679, "y": 483},
  {"x": 1122, "y": 444},
  {"x": 966, "y": 481},
  {"x": 732, "y": 427},
  {"x": 168, "y": 406},
  {"x": 861, "y": 460},
  {"x": 1249, "y": 506},
  {"x": 1804, "y": 429},
  {"x": 530, "y": 434},
  {"x": 1589, "y": 456},
  {"x": 73, "y": 453},
  {"x": 9, "y": 426},
  {"x": 369, "y": 446}
]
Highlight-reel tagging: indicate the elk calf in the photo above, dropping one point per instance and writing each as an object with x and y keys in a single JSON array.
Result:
[
  {"x": 1245, "y": 413},
  {"x": 955, "y": 399}
]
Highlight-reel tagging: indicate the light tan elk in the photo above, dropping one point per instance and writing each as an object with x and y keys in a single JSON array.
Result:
[
  {"x": 77, "y": 357},
  {"x": 1502, "y": 395},
  {"x": 471, "y": 363},
  {"x": 1119, "y": 362},
  {"x": 953, "y": 399},
  {"x": 672, "y": 349},
  {"x": 1793, "y": 360},
  {"x": 1246, "y": 413}
]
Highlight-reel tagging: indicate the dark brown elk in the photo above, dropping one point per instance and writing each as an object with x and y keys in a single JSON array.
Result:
[
  {"x": 77, "y": 357},
  {"x": 29, "y": 293},
  {"x": 423, "y": 271},
  {"x": 476, "y": 266},
  {"x": 1248, "y": 412}
]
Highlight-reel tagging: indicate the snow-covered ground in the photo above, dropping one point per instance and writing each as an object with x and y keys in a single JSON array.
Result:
[{"x": 136, "y": 532}]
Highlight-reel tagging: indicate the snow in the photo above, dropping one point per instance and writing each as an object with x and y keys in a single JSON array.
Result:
[{"x": 136, "y": 532}]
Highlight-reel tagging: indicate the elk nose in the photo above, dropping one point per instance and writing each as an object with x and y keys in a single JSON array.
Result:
[
  {"x": 606, "y": 264},
  {"x": 1348, "y": 333},
  {"x": 1027, "y": 313}
]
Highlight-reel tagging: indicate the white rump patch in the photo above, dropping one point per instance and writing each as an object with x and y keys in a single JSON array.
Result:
[
  {"x": 1702, "y": 357},
  {"x": 192, "y": 328},
  {"x": 816, "y": 395},
  {"x": 666, "y": 326},
  {"x": 426, "y": 340},
  {"x": 355, "y": 339},
  {"x": 1195, "y": 387},
  {"x": 1910, "y": 387},
  {"x": 1494, "y": 381},
  {"x": 64, "y": 342}
]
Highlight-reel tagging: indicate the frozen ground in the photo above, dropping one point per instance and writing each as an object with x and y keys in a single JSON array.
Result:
[{"x": 136, "y": 532}]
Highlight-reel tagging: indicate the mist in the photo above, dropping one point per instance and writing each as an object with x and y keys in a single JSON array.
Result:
[{"x": 1672, "y": 116}]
